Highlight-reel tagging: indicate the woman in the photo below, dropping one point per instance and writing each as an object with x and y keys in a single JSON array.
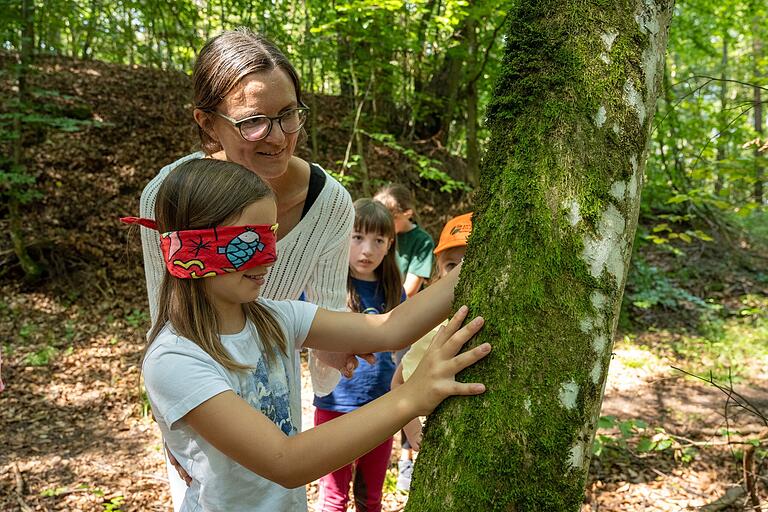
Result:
[{"x": 249, "y": 110}]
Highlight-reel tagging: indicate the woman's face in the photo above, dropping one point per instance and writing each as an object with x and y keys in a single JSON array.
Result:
[{"x": 268, "y": 93}]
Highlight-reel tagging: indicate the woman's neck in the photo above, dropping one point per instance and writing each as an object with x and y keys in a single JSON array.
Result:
[{"x": 291, "y": 191}]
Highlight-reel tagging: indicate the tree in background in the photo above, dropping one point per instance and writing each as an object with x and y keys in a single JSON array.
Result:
[{"x": 556, "y": 214}]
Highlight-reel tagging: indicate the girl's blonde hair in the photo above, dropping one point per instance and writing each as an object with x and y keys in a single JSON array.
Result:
[
  {"x": 203, "y": 194},
  {"x": 373, "y": 217},
  {"x": 397, "y": 198}
]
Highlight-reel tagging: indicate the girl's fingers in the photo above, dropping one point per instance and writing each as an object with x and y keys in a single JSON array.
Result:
[
  {"x": 446, "y": 331},
  {"x": 465, "y": 389},
  {"x": 460, "y": 337},
  {"x": 470, "y": 357}
]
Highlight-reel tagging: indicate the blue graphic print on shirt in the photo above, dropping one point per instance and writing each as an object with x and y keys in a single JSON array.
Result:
[{"x": 266, "y": 389}]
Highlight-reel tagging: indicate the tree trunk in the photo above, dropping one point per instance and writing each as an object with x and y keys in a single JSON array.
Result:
[
  {"x": 31, "y": 269},
  {"x": 555, "y": 217},
  {"x": 722, "y": 117},
  {"x": 473, "y": 151},
  {"x": 757, "y": 50}
]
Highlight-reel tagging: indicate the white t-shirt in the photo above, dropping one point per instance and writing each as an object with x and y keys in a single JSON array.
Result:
[
  {"x": 179, "y": 376},
  {"x": 313, "y": 258}
]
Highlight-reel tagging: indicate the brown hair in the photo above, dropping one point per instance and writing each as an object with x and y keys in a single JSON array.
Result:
[
  {"x": 225, "y": 60},
  {"x": 373, "y": 217},
  {"x": 201, "y": 194},
  {"x": 397, "y": 198}
]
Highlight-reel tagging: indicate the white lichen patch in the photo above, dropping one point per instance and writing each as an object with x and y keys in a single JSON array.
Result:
[
  {"x": 599, "y": 343},
  {"x": 576, "y": 456},
  {"x": 527, "y": 405},
  {"x": 616, "y": 128},
  {"x": 618, "y": 189},
  {"x": 605, "y": 58},
  {"x": 597, "y": 371},
  {"x": 633, "y": 163},
  {"x": 600, "y": 117},
  {"x": 605, "y": 251},
  {"x": 598, "y": 300},
  {"x": 608, "y": 38},
  {"x": 569, "y": 392},
  {"x": 574, "y": 212},
  {"x": 586, "y": 324},
  {"x": 502, "y": 281},
  {"x": 634, "y": 100},
  {"x": 633, "y": 185},
  {"x": 650, "y": 61},
  {"x": 648, "y": 23}
]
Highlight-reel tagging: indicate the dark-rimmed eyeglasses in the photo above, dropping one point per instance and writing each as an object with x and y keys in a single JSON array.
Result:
[{"x": 259, "y": 127}]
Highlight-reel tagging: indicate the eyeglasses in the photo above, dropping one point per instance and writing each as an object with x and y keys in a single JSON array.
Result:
[{"x": 259, "y": 127}]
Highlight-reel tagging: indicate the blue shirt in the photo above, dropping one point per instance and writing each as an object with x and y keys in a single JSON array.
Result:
[{"x": 369, "y": 381}]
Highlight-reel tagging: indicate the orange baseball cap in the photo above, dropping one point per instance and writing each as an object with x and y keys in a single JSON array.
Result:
[{"x": 455, "y": 233}]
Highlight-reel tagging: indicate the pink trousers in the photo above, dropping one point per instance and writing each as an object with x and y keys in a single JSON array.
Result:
[{"x": 369, "y": 473}]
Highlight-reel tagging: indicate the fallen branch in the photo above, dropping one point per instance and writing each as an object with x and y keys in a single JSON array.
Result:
[
  {"x": 730, "y": 497},
  {"x": 20, "y": 487}
]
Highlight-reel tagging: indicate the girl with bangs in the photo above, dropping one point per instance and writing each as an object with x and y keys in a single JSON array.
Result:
[
  {"x": 219, "y": 365},
  {"x": 374, "y": 287}
]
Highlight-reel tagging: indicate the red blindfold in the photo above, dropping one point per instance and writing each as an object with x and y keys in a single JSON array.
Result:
[{"x": 196, "y": 253}]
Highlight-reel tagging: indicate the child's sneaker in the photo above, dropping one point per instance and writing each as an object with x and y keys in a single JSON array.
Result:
[{"x": 404, "y": 472}]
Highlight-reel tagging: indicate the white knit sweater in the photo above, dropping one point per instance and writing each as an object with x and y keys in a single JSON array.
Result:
[{"x": 312, "y": 258}]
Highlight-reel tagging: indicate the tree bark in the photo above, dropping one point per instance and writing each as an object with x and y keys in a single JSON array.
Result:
[
  {"x": 757, "y": 50},
  {"x": 555, "y": 217},
  {"x": 473, "y": 148},
  {"x": 31, "y": 269}
]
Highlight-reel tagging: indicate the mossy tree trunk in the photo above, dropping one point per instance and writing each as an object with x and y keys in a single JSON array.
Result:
[{"x": 555, "y": 216}]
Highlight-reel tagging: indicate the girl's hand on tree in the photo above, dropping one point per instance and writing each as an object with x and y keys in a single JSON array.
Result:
[{"x": 435, "y": 378}]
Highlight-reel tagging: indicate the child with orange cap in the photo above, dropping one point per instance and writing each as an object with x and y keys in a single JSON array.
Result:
[{"x": 449, "y": 252}]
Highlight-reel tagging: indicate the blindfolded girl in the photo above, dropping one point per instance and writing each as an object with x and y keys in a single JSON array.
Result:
[{"x": 218, "y": 368}]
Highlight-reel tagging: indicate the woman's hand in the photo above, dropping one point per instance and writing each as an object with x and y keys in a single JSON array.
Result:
[
  {"x": 435, "y": 378},
  {"x": 346, "y": 363},
  {"x": 182, "y": 473}
]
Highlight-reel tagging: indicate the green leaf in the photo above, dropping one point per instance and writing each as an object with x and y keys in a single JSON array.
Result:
[{"x": 645, "y": 444}]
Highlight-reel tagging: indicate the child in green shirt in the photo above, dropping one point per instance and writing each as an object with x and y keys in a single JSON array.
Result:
[{"x": 414, "y": 245}]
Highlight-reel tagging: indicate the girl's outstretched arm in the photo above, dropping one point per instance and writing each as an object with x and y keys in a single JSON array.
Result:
[
  {"x": 251, "y": 439},
  {"x": 360, "y": 333}
]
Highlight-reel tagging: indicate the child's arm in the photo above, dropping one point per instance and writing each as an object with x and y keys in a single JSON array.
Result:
[
  {"x": 412, "y": 429},
  {"x": 412, "y": 284},
  {"x": 251, "y": 439},
  {"x": 388, "y": 332}
]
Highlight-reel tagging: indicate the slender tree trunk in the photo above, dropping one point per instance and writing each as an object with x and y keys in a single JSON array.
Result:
[
  {"x": 473, "y": 150},
  {"x": 310, "y": 57},
  {"x": 555, "y": 216},
  {"x": 90, "y": 31},
  {"x": 31, "y": 269},
  {"x": 757, "y": 50},
  {"x": 722, "y": 117}
]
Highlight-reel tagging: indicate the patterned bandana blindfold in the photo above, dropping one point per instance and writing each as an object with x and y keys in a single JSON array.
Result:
[{"x": 196, "y": 253}]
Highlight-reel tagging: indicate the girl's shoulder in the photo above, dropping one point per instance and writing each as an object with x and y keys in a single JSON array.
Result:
[
  {"x": 168, "y": 340},
  {"x": 294, "y": 316}
]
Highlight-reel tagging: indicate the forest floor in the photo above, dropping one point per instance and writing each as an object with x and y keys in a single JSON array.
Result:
[
  {"x": 77, "y": 434},
  {"x": 75, "y": 430}
]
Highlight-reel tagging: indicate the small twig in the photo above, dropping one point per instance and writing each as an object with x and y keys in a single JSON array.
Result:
[
  {"x": 730, "y": 497},
  {"x": 737, "y": 398},
  {"x": 19, "y": 480},
  {"x": 749, "y": 469},
  {"x": 19, "y": 489}
]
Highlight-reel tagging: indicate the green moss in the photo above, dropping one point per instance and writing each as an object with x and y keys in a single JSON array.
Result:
[{"x": 524, "y": 272}]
